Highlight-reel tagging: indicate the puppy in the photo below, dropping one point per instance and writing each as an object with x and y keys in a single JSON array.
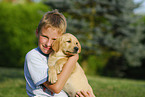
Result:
[{"x": 64, "y": 47}]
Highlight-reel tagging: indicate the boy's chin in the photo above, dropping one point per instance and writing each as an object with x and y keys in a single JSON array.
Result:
[{"x": 47, "y": 52}]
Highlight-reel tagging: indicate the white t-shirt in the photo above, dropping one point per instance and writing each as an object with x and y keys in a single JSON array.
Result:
[{"x": 36, "y": 73}]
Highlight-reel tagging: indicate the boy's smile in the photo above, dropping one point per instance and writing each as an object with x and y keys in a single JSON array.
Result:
[{"x": 46, "y": 38}]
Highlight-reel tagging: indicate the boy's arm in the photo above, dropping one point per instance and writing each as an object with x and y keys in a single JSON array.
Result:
[{"x": 63, "y": 76}]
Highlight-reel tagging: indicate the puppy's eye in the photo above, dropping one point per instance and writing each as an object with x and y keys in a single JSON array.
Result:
[
  {"x": 68, "y": 41},
  {"x": 76, "y": 43}
]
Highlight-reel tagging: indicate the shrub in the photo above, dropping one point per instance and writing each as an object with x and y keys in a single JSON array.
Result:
[{"x": 18, "y": 24}]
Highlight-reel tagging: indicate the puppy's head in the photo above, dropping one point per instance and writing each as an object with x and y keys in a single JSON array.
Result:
[{"x": 68, "y": 44}]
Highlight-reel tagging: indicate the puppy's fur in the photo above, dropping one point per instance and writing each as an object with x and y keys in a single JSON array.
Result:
[{"x": 64, "y": 47}]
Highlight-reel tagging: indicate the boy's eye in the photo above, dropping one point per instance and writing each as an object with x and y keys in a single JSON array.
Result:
[
  {"x": 44, "y": 36},
  {"x": 68, "y": 41}
]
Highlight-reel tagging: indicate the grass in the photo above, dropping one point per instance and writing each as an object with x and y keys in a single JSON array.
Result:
[
  {"x": 12, "y": 84},
  {"x": 112, "y": 87}
]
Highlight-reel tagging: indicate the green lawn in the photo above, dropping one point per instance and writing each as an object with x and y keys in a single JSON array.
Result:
[{"x": 12, "y": 84}]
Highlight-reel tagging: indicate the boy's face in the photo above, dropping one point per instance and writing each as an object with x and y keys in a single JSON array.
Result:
[{"x": 46, "y": 38}]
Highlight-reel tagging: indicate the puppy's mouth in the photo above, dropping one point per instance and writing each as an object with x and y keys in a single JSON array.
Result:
[
  {"x": 74, "y": 52},
  {"x": 71, "y": 52}
]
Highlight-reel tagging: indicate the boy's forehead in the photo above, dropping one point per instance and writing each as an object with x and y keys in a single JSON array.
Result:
[
  {"x": 51, "y": 29},
  {"x": 51, "y": 32}
]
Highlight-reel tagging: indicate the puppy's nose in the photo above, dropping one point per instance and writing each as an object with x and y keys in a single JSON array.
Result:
[{"x": 76, "y": 49}]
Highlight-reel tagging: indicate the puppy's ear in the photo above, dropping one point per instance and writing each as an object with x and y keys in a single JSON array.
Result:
[
  {"x": 56, "y": 45},
  {"x": 79, "y": 45}
]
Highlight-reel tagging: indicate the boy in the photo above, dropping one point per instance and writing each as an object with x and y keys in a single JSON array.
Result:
[{"x": 52, "y": 25}]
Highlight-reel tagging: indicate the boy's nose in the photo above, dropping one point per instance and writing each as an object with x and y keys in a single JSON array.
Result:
[{"x": 49, "y": 42}]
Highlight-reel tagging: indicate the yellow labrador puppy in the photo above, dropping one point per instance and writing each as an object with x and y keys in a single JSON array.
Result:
[{"x": 65, "y": 46}]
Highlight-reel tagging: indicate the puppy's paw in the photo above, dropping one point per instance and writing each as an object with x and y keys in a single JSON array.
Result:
[{"x": 52, "y": 78}]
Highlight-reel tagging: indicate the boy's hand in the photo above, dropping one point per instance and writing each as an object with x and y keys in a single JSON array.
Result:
[
  {"x": 84, "y": 94},
  {"x": 74, "y": 57}
]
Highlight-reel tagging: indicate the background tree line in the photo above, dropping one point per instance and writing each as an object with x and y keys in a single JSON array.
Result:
[{"x": 111, "y": 35}]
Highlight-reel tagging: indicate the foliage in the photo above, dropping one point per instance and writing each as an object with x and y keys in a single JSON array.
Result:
[
  {"x": 18, "y": 24},
  {"x": 107, "y": 26},
  {"x": 112, "y": 26},
  {"x": 13, "y": 85},
  {"x": 112, "y": 36}
]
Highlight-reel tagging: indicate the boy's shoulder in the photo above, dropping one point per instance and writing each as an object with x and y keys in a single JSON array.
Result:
[{"x": 33, "y": 52}]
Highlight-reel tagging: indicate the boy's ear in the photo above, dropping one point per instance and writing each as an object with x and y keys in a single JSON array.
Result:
[
  {"x": 36, "y": 32},
  {"x": 56, "y": 45}
]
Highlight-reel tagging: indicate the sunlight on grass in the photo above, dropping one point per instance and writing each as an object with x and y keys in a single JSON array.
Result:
[
  {"x": 112, "y": 87},
  {"x": 12, "y": 84}
]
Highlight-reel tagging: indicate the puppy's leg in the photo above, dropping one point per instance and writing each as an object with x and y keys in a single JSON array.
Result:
[
  {"x": 59, "y": 64},
  {"x": 52, "y": 74},
  {"x": 55, "y": 69}
]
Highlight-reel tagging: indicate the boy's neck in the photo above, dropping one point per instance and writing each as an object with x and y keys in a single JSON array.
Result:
[{"x": 42, "y": 52}]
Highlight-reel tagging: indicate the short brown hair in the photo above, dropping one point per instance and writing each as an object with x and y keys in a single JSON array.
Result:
[{"x": 53, "y": 19}]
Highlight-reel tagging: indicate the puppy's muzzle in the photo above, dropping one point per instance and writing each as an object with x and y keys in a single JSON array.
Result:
[{"x": 75, "y": 51}]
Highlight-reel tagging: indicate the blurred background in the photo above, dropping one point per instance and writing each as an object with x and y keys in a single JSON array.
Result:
[{"x": 111, "y": 32}]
